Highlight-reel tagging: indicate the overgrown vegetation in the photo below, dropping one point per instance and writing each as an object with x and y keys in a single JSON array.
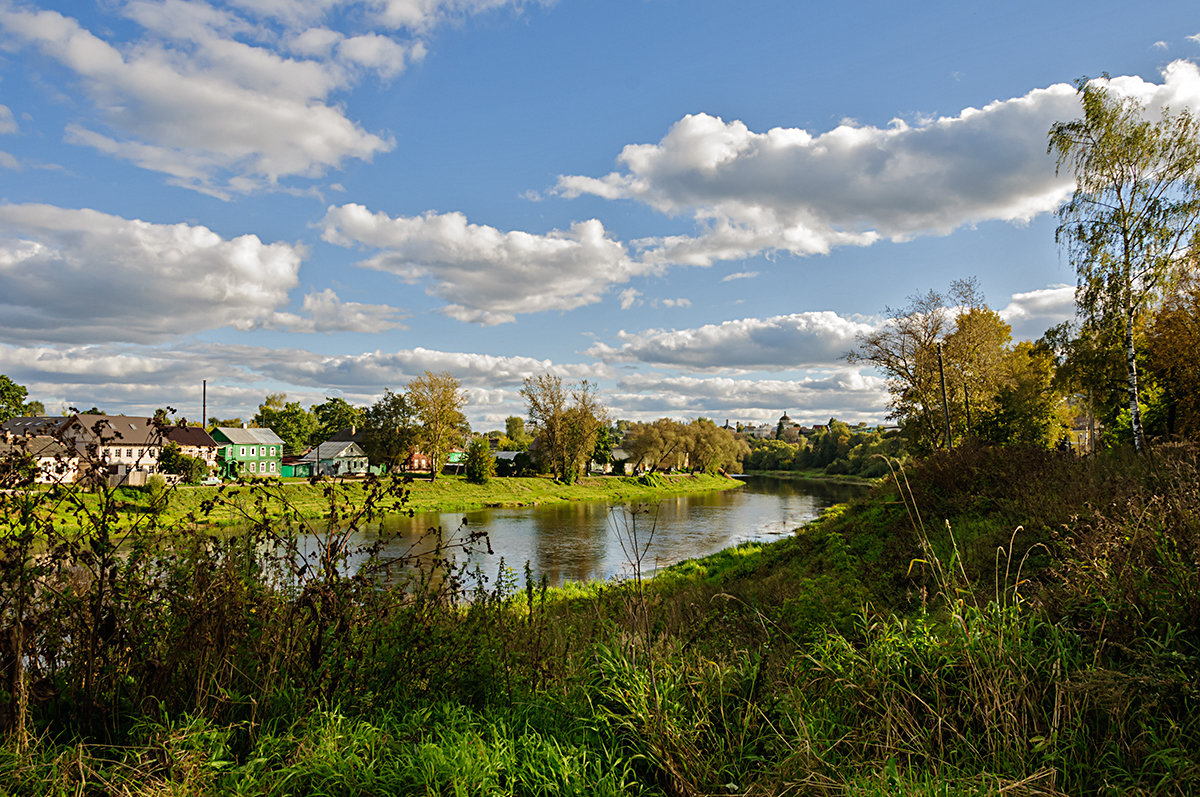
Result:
[{"x": 1013, "y": 621}]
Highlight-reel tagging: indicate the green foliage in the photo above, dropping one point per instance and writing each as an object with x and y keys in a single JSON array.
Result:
[
  {"x": 879, "y": 650},
  {"x": 388, "y": 430},
  {"x": 12, "y": 399},
  {"x": 436, "y": 399},
  {"x": 332, "y": 416},
  {"x": 294, "y": 424},
  {"x": 1132, "y": 218},
  {"x": 480, "y": 465},
  {"x": 566, "y": 423},
  {"x": 171, "y": 459}
]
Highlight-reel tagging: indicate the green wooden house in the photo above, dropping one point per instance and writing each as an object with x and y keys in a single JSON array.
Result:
[{"x": 248, "y": 452}]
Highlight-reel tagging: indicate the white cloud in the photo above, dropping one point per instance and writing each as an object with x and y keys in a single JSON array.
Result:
[
  {"x": 210, "y": 111},
  {"x": 7, "y": 123},
  {"x": 630, "y": 297},
  {"x": 789, "y": 190},
  {"x": 1160, "y": 45},
  {"x": 1031, "y": 313},
  {"x": 81, "y": 275},
  {"x": 739, "y": 275},
  {"x": 487, "y": 275},
  {"x": 126, "y": 378},
  {"x": 845, "y": 393},
  {"x": 324, "y": 311},
  {"x": 417, "y": 16},
  {"x": 779, "y": 342},
  {"x": 676, "y": 302}
]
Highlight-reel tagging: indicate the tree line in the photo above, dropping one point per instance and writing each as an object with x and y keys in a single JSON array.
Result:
[{"x": 1127, "y": 368}]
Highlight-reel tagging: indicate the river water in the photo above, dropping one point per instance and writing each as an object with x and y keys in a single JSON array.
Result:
[{"x": 591, "y": 540}]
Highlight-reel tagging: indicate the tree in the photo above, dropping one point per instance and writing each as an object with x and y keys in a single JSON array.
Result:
[
  {"x": 514, "y": 430},
  {"x": 1172, "y": 343},
  {"x": 904, "y": 348},
  {"x": 658, "y": 445},
  {"x": 171, "y": 459},
  {"x": 332, "y": 416},
  {"x": 565, "y": 422},
  {"x": 1133, "y": 215},
  {"x": 480, "y": 465},
  {"x": 1027, "y": 408},
  {"x": 12, "y": 399},
  {"x": 294, "y": 424},
  {"x": 388, "y": 430},
  {"x": 437, "y": 400},
  {"x": 711, "y": 448},
  {"x": 974, "y": 341}
]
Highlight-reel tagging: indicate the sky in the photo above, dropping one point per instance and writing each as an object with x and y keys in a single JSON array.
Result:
[{"x": 696, "y": 205}]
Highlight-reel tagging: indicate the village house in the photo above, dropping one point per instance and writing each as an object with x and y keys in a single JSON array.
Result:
[
  {"x": 54, "y": 461},
  {"x": 248, "y": 452},
  {"x": 336, "y": 458},
  {"x": 124, "y": 449},
  {"x": 193, "y": 441}
]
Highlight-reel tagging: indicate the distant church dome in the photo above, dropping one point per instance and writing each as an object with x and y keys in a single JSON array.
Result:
[{"x": 784, "y": 418}]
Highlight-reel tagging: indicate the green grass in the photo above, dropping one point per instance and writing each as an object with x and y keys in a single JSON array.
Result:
[
  {"x": 910, "y": 642},
  {"x": 312, "y": 500}
]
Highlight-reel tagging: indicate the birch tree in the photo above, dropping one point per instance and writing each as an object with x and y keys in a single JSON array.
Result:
[{"x": 1131, "y": 219}]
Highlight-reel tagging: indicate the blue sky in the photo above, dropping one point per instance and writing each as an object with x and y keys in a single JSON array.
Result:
[{"x": 696, "y": 204}]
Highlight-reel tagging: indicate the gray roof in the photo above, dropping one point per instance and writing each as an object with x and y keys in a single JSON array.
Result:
[
  {"x": 37, "y": 445},
  {"x": 249, "y": 436},
  {"x": 333, "y": 450},
  {"x": 116, "y": 430},
  {"x": 34, "y": 424}
]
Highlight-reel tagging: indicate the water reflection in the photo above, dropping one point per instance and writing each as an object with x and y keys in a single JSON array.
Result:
[{"x": 580, "y": 541}]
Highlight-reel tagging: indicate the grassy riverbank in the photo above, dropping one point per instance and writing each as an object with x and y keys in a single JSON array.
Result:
[
  {"x": 1014, "y": 622},
  {"x": 813, "y": 474},
  {"x": 233, "y": 504}
]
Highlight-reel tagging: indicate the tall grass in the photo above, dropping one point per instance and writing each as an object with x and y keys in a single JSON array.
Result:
[{"x": 965, "y": 630}]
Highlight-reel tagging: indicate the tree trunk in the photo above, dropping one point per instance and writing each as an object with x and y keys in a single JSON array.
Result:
[{"x": 1135, "y": 412}]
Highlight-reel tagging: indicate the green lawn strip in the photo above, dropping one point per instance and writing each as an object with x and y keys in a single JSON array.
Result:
[{"x": 309, "y": 500}]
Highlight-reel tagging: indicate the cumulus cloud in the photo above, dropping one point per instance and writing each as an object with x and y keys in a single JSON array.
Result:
[
  {"x": 486, "y": 275},
  {"x": 790, "y": 190},
  {"x": 128, "y": 378},
  {"x": 845, "y": 393},
  {"x": 1031, "y": 313},
  {"x": 81, "y": 276},
  {"x": 781, "y": 342},
  {"x": 324, "y": 311},
  {"x": 7, "y": 123},
  {"x": 210, "y": 99}
]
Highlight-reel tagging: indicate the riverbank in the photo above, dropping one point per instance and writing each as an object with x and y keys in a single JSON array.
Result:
[
  {"x": 233, "y": 504},
  {"x": 966, "y": 635},
  {"x": 812, "y": 475}
]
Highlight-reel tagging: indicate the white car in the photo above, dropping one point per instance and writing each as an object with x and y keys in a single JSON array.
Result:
[{"x": 210, "y": 481}]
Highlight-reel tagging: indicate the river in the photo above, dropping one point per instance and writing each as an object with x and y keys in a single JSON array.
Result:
[{"x": 590, "y": 540}]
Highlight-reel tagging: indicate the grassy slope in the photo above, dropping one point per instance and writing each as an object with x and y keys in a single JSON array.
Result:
[{"x": 445, "y": 494}]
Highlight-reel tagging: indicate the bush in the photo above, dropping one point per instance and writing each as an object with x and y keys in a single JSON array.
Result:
[{"x": 480, "y": 465}]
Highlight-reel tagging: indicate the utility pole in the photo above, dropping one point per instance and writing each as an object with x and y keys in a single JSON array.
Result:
[{"x": 945, "y": 401}]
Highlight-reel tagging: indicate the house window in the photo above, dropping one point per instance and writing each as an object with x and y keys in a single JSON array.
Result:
[
  {"x": 129, "y": 453},
  {"x": 272, "y": 450},
  {"x": 243, "y": 451},
  {"x": 252, "y": 466},
  {"x": 272, "y": 467}
]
